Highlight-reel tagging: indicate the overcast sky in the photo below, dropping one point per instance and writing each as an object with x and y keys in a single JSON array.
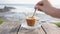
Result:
[
  {"x": 19, "y": 1},
  {"x": 26, "y": 1},
  {"x": 53, "y": 2}
]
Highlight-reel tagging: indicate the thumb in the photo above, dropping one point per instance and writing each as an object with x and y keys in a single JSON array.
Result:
[
  {"x": 38, "y": 8},
  {"x": 41, "y": 8}
]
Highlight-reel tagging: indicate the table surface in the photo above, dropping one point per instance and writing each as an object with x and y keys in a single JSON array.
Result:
[{"x": 11, "y": 28}]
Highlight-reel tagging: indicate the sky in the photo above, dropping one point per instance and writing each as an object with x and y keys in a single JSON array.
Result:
[
  {"x": 19, "y": 1},
  {"x": 55, "y": 3},
  {"x": 26, "y": 1}
]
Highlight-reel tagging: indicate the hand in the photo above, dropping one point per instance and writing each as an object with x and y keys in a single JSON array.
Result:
[
  {"x": 47, "y": 8},
  {"x": 43, "y": 5}
]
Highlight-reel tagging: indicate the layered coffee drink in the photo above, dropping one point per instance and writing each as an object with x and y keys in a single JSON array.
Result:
[{"x": 31, "y": 21}]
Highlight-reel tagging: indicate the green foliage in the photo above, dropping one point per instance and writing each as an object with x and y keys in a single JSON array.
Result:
[
  {"x": 58, "y": 24},
  {"x": 1, "y": 21}
]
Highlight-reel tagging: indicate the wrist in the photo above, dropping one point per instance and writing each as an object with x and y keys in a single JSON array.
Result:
[
  {"x": 53, "y": 12},
  {"x": 49, "y": 11}
]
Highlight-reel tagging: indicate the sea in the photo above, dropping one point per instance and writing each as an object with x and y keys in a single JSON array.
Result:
[{"x": 22, "y": 10}]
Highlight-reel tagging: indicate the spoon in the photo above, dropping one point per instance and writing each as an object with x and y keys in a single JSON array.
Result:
[{"x": 34, "y": 13}]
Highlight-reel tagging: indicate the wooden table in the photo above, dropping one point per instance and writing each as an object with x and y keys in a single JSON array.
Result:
[{"x": 11, "y": 28}]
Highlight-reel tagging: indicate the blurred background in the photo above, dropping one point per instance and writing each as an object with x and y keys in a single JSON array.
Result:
[{"x": 16, "y": 10}]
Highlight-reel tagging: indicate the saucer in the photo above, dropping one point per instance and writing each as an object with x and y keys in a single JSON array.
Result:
[{"x": 24, "y": 25}]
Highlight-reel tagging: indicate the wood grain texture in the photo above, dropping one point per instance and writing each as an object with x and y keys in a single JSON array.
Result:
[{"x": 11, "y": 28}]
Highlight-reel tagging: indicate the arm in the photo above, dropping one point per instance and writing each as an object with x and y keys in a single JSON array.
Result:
[
  {"x": 53, "y": 12},
  {"x": 46, "y": 7}
]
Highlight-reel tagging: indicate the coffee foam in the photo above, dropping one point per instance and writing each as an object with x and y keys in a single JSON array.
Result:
[{"x": 31, "y": 17}]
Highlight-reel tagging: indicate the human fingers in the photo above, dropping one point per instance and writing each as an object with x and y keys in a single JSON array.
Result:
[{"x": 39, "y": 8}]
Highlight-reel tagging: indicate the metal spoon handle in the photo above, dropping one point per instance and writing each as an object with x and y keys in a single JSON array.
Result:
[{"x": 34, "y": 12}]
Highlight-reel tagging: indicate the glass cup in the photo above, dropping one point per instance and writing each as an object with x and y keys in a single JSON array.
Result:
[{"x": 31, "y": 21}]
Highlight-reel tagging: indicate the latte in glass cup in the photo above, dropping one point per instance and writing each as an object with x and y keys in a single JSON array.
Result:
[{"x": 31, "y": 21}]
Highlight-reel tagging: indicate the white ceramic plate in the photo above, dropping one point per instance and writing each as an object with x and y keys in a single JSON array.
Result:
[{"x": 24, "y": 25}]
